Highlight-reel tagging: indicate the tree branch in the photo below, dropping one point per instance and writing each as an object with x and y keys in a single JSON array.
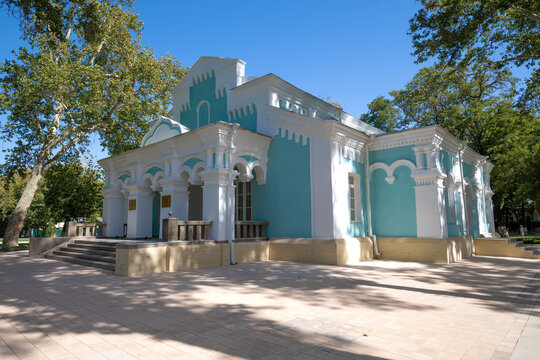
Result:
[
  {"x": 529, "y": 14},
  {"x": 66, "y": 146}
]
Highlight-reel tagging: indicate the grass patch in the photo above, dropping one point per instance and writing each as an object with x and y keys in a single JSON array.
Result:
[
  {"x": 16, "y": 248},
  {"x": 528, "y": 239}
]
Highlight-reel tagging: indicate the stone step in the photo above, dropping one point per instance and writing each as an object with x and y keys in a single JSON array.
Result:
[
  {"x": 90, "y": 251},
  {"x": 84, "y": 262},
  {"x": 93, "y": 247},
  {"x": 76, "y": 255},
  {"x": 95, "y": 242}
]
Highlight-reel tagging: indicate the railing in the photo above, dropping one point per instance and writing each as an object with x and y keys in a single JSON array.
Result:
[
  {"x": 174, "y": 230},
  {"x": 194, "y": 230},
  {"x": 250, "y": 229},
  {"x": 84, "y": 229}
]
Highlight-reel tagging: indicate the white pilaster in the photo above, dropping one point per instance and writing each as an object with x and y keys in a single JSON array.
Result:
[
  {"x": 215, "y": 203},
  {"x": 113, "y": 212},
  {"x": 140, "y": 219},
  {"x": 178, "y": 190},
  {"x": 429, "y": 193}
]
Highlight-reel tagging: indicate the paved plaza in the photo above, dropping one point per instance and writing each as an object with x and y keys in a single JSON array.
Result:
[{"x": 480, "y": 308}]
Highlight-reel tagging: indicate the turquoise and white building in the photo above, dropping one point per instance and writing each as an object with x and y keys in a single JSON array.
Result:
[{"x": 242, "y": 148}]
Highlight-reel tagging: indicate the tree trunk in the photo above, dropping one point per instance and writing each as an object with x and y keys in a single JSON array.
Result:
[{"x": 11, "y": 236}]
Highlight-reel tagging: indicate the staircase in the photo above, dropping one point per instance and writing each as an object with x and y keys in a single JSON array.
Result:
[
  {"x": 506, "y": 247},
  {"x": 95, "y": 253},
  {"x": 534, "y": 249}
]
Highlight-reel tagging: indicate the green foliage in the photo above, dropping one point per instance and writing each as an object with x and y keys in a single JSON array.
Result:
[
  {"x": 466, "y": 33},
  {"x": 16, "y": 248},
  {"x": 73, "y": 191},
  {"x": 83, "y": 71},
  {"x": 68, "y": 191},
  {"x": 382, "y": 114}
]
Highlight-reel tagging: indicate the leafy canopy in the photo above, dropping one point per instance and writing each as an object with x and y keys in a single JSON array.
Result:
[
  {"x": 496, "y": 33},
  {"x": 84, "y": 71}
]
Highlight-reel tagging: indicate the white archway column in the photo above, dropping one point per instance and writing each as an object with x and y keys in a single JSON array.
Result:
[
  {"x": 215, "y": 202},
  {"x": 140, "y": 219},
  {"x": 178, "y": 190},
  {"x": 113, "y": 212},
  {"x": 429, "y": 194}
]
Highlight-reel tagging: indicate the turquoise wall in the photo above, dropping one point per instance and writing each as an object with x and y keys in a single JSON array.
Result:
[
  {"x": 467, "y": 172},
  {"x": 393, "y": 206},
  {"x": 285, "y": 200},
  {"x": 357, "y": 228},
  {"x": 246, "y": 117},
  {"x": 388, "y": 156},
  {"x": 204, "y": 90}
]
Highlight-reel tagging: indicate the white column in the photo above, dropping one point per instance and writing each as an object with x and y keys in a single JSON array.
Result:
[
  {"x": 430, "y": 200},
  {"x": 178, "y": 190},
  {"x": 482, "y": 225},
  {"x": 113, "y": 212},
  {"x": 215, "y": 202},
  {"x": 140, "y": 219}
]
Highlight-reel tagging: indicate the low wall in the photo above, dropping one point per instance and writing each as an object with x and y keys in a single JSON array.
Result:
[
  {"x": 322, "y": 251},
  {"x": 501, "y": 247},
  {"x": 147, "y": 258},
  {"x": 135, "y": 260},
  {"x": 41, "y": 244},
  {"x": 141, "y": 259},
  {"x": 424, "y": 250}
]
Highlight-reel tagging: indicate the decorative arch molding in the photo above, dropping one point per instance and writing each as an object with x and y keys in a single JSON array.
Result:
[
  {"x": 199, "y": 120},
  {"x": 195, "y": 174},
  {"x": 191, "y": 162},
  {"x": 124, "y": 177},
  {"x": 163, "y": 128},
  {"x": 153, "y": 174},
  {"x": 389, "y": 169},
  {"x": 246, "y": 169}
]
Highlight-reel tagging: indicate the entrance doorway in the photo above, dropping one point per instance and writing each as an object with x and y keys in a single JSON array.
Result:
[
  {"x": 155, "y": 214},
  {"x": 195, "y": 202}
]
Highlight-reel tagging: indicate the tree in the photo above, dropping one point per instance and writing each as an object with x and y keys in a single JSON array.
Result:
[
  {"x": 11, "y": 188},
  {"x": 73, "y": 191},
  {"x": 477, "y": 106},
  {"x": 382, "y": 114},
  {"x": 496, "y": 33},
  {"x": 84, "y": 72}
]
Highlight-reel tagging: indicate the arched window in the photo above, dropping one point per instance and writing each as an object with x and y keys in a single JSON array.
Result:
[
  {"x": 203, "y": 113},
  {"x": 243, "y": 200}
]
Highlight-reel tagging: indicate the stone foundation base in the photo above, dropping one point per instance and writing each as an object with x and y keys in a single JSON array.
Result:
[
  {"x": 501, "y": 247},
  {"x": 147, "y": 258},
  {"x": 443, "y": 251},
  {"x": 322, "y": 251}
]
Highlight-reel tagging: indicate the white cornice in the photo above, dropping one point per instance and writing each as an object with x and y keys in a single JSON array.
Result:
[
  {"x": 181, "y": 146},
  {"x": 303, "y": 99},
  {"x": 429, "y": 136}
]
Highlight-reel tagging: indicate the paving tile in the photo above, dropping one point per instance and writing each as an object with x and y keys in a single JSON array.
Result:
[{"x": 475, "y": 309}]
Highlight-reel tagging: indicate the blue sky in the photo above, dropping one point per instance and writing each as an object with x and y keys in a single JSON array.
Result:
[{"x": 351, "y": 51}]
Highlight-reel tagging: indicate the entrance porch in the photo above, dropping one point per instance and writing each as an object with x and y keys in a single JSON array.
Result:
[{"x": 202, "y": 178}]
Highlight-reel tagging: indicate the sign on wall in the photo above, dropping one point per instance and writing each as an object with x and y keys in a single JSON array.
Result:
[
  {"x": 166, "y": 201},
  {"x": 132, "y": 204}
]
